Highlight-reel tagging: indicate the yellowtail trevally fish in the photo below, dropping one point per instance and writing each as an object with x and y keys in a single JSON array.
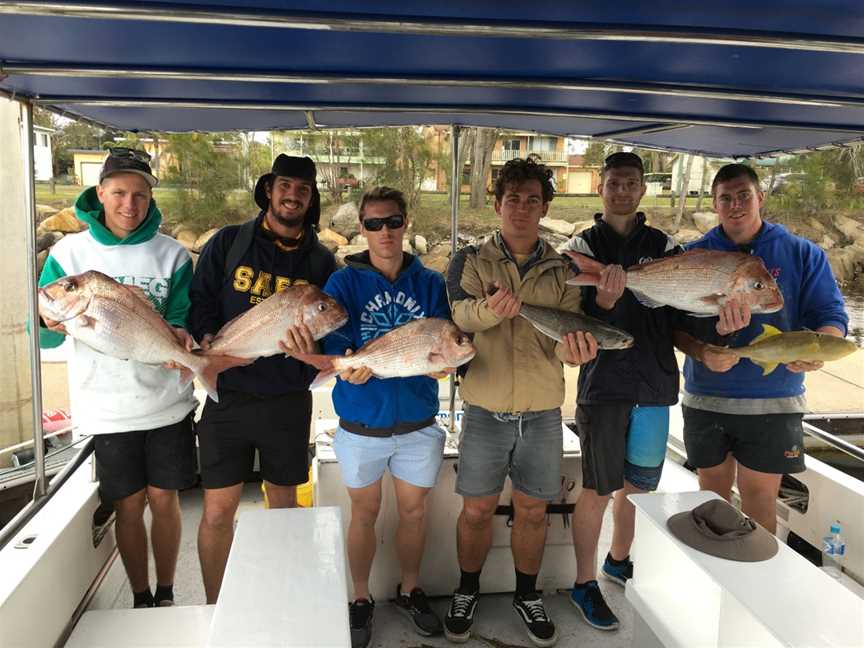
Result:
[{"x": 773, "y": 347}]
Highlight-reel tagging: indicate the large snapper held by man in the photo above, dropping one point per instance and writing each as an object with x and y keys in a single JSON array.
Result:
[
  {"x": 420, "y": 347},
  {"x": 121, "y": 322},
  {"x": 698, "y": 281},
  {"x": 257, "y": 332}
]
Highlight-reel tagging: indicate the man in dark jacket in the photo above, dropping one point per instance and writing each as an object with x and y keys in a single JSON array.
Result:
[
  {"x": 265, "y": 406},
  {"x": 622, "y": 413}
]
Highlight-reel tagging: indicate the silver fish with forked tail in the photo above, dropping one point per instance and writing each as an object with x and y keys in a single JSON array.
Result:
[{"x": 557, "y": 323}]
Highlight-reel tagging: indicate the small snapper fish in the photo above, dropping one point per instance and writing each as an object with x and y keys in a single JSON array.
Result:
[
  {"x": 121, "y": 322},
  {"x": 420, "y": 347},
  {"x": 699, "y": 282},
  {"x": 257, "y": 332},
  {"x": 773, "y": 347}
]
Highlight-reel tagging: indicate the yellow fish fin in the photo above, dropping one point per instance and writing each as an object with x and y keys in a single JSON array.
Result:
[
  {"x": 767, "y": 367},
  {"x": 767, "y": 332}
]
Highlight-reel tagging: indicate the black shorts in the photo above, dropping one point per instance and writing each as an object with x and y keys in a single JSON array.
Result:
[
  {"x": 768, "y": 443},
  {"x": 231, "y": 430},
  {"x": 602, "y": 430},
  {"x": 163, "y": 457}
]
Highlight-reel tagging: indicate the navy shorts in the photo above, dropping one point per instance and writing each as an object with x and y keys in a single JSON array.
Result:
[
  {"x": 527, "y": 447},
  {"x": 231, "y": 430},
  {"x": 768, "y": 443},
  {"x": 127, "y": 462}
]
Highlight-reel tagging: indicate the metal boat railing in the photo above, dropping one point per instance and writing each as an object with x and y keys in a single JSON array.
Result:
[
  {"x": 33, "y": 507},
  {"x": 835, "y": 441}
]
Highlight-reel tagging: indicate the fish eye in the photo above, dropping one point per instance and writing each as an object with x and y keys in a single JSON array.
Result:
[
  {"x": 758, "y": 285},
  {"x": 69, "y": 286},
  {"x": 322, "y": 307}
]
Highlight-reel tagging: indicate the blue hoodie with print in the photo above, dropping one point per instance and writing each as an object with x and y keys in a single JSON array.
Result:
[
  {"x": 376, "y": 306},
  {"x": 811, "y": 299}
]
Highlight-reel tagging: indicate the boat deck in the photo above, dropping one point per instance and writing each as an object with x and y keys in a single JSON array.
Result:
[{"x": 497, "y": 625}]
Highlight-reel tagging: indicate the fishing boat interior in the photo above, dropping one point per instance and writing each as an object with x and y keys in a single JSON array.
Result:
[{"x": 736, "y": 79}]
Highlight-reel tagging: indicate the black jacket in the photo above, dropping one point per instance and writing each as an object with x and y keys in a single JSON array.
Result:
[
  {"x": 219, "y": 294},
  {"x": 647, "y": 373}
]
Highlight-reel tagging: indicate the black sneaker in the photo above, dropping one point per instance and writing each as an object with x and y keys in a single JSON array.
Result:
[
  {"x": 541, "y": 630},
  {"x": 460, "y": 616},
  {"x": 618, "y": 573},
  {"x": 415, "y": 605},
  {"x": 588, "y": 599},
  {"x": 360, "y": 618}
]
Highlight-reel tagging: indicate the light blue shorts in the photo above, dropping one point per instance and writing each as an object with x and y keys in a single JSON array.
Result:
[
  {"x": 646, "y": 446},
  {"x": 414, "y": 457}
]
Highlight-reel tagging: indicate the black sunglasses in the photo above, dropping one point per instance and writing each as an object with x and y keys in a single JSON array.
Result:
[
  {"x": 134, "y": 154},
  {"x": 394, "y": 221}
]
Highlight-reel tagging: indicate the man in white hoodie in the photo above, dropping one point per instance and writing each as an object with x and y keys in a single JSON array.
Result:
[{"x": 140, "y": 417}]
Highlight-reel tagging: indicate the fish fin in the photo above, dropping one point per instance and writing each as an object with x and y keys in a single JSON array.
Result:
[
  {"x": 713, "y": 299},
  {"x": 645, "y": 300},
  {"x": 767, "y": 367},
  {"x": 767, "y": 332},
  {"x": 584, "y": 279},
  {"x": 186, "y": 376},
  {"x": 585, "y": 263},
  {"x": 323, "y": 377},
  {"x": 140, "y": 294},
  {"x": 83, "y": 321},
  {"x": 319, "y": 361}
]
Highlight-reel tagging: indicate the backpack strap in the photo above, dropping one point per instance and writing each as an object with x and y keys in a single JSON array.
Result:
[{"x": 242, "y": 243}]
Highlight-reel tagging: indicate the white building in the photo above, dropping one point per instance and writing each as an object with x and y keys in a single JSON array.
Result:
[{"x": 43, "y": 160}]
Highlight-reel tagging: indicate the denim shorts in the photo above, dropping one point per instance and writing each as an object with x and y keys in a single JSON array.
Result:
[
  {"x": 526, "y": 446},
  {"x": 414, "y": 457}
]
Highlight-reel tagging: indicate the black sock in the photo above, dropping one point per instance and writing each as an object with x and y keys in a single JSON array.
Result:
[
  {"x": 525, "y": 583},
  {"x": 469, "y": 582},
  {"x": 142, "y": 598},
  {"x": 163, "y": 593},
  {"x": 617, "y": 563}
]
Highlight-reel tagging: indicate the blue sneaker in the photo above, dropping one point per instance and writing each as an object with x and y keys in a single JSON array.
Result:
[
  {"x": 618, "y": 573},
  {"x": 588, "y": 599}
]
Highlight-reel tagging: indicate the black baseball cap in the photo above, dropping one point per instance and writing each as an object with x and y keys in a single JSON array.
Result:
[
  {"x": 126, "y": 160},
  {"x": 623, "y": 160},
  {"x": 291, "y": 166}
]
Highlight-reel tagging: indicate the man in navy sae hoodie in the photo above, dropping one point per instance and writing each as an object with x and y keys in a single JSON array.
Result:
[
  {"x": 264, "y": 406},
  {"x": 737, "y": 422},
  {"x": 386, "y": 422}
]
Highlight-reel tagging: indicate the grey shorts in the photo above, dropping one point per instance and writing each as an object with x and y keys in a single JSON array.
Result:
[{"x": 527, "y": 447}]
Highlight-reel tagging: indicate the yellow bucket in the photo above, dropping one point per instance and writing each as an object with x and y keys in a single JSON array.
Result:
[{"x": 304, "y": 493}]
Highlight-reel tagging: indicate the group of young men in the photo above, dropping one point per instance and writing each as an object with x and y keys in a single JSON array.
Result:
[{"x": 737, "y": 423}]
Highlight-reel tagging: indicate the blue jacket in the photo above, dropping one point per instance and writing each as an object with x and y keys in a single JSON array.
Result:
[
  {"x": 812, "y": 299},
  {"x": 376, "y": 306}
]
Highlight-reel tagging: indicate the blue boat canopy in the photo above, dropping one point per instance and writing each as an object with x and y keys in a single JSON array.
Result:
[{"x": 733, "y": 79}]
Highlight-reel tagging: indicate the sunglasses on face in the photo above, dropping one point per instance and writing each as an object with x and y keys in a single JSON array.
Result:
[
  {"x": 133, "y": 154},
  {"x": 393, "y": 222}
]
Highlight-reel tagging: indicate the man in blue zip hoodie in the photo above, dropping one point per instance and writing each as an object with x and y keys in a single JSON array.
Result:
[
  {"x": 386, "y": 422},
  {"x": 737, "y": 421}
]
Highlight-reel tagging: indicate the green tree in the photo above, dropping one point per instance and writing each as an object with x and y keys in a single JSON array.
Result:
[
  {"x": 407, "y": 159},
  {"x": 75, "y": 135},
  {"x": 205, "y": 169}
]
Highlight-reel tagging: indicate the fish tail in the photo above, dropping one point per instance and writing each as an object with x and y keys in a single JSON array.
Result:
[
  {"x": 584, "y": 279},
  {"x": 324, "y": 364},
  {"x": 208, "y": 373},
  {"x": 585, "y": 263}
]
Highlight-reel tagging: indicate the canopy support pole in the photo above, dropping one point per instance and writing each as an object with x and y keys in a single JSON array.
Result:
[
  {"x": 455, "y": 186},
  {"x": 28, "y": 140}
]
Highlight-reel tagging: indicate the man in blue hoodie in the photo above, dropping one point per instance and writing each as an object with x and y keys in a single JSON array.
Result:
[
  {"x": 386, "y": 423},
  {"x": 737, "y": 421}
]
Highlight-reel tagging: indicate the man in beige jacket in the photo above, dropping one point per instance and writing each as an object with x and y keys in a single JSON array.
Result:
[{"x": 513, "y": 391}]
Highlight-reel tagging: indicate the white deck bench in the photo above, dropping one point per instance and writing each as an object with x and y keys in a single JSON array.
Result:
[
  {"x": 284, "y": 584},
  {"x": 683, "y": 597},
  {"x": 167, "y": 627}
]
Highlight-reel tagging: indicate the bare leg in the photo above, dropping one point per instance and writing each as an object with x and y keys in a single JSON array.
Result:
[
  {"x": 528, "y": 538},
  {"x": 411, "y": 532},
  {"x": 759, "y": 496},
  {"x": 165, "y": 530},
  {"x": 474, "y": 531},
  {"x": 719, "y": 478},
  {"x": 365, "y": 504},
  {"x": 587, "y": 521},
  {"x": 215, "y": 534},
  {"x": 281, "y": 496},
  {"x": 132, "y": 539},
  {"x": 624, "y": 515}
]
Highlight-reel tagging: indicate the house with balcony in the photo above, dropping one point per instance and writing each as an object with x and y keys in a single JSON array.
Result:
[{"x": 549, "y": 149}]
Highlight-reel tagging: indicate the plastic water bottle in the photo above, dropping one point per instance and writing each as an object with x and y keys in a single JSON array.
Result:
[{"x": 833, "y": 552}]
